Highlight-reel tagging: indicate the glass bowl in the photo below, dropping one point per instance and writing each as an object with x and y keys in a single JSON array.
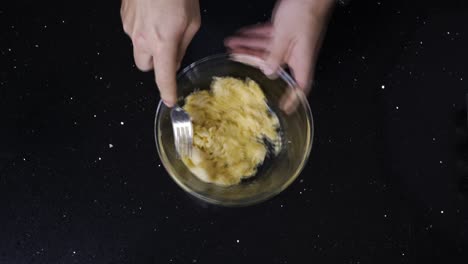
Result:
[{"x": 276, "y": 173}]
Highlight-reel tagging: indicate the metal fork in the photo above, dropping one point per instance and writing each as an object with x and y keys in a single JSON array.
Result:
[{"x": 183, "y": 131}]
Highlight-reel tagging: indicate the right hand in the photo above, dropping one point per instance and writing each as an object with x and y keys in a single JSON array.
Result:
[{"x": 160, "y": 31}]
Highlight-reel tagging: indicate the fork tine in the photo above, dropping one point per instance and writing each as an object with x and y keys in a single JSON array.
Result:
[
  {"x": 184, "y": 140},
  {"x": 187, "y": 140},
  {"x": 190, "y": 140},
  {"x": 190, "y": 143},
  {"x": 181, "y": 142},
  {"x": 178, "y": 141}
]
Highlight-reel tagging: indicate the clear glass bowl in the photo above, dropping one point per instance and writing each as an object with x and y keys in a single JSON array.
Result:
[{"x": 276, "y": 173}]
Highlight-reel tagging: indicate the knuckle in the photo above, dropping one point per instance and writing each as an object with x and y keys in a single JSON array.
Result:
[
  {"x": 175, "y": 30},
  {"x": 137, "y": 39},
  {"x": 196, "y": 23},
  {"x": 167, "y": 35},
  {"x": 139, "y": 66},
  {"x": 182, "y": 21},
  {"x": 126, "y": 28},
  {"x": 143, "y": 66}
]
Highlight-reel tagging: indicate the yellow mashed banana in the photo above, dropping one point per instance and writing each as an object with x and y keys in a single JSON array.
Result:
[{"x": 230, "y": 122}]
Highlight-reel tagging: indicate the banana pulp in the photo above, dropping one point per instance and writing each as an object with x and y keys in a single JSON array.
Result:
[{"x": 230, "y": 123}]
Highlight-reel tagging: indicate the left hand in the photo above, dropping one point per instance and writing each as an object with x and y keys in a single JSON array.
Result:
[{"x": 294, "y": 38}]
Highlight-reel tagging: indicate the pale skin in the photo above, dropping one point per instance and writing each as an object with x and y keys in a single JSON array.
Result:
[{"x": 161, "y": 30}]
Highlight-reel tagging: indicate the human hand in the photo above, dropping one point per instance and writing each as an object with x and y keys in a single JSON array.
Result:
[
  {"x": 160, "y": 31},
  {"x": 293, "y": 37}
]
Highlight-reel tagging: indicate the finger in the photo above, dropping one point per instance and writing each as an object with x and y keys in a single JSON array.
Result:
[
  {"x": 289, "y": 101},
  {"x": 301, "y": 63},
  {"x": 251, "y": 42},
  {"x": 187, "y": 38},
  {"x": 253, "y": 52},
  {"x": 265, "y": 29},
  {"x": 190, "y": 31},
  {"x": 143, "y": 60},
  {"x": 277, "y": 53},
  {"x": 165, "y": 68}
]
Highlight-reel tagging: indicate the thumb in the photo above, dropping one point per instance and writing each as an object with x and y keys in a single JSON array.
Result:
[
  {"x": 165, "y": 67},
  {"x": 277, "y": 54}
]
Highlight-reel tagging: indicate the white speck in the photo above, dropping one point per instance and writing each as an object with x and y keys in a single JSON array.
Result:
[
  {"x": 383, "y": 87},
  {"x": 281, "y": 205},
  {"x": 440, "y": 162},
  {"x": 300, "y": 192},
  {"x": 71, "y": 98},
  {"x": 442, "y": 211},
  {"x": 385, "y": 215},
  {"x": 45, "y": 26},
  {"x": 139, "y": 208},
  {"x": 461, "y": 79},
  {"x": 420, "y": 42},
  {"x": 237, "y": 241},
  {"x": 448, "y": 32},
  {"x": 94, "y": 115},
  {"x": 64, "y": 215},
  {"x": 73, "y": 252},
  {"x": 37, "y": 46},
  {"x": 99, "y": 158},
  {"x": 100, "y": 77},
  {"x": 363, "y": 57},
  {"x": 98, "y": 53},
  {"x": 159, "y": 165},
  {"x": 24, "y": 159},
  {"x": 75, "y": 123},
  {"x": 397, "y": 108},
  {"x": 433, "y": 139},
  {"x": 111, "y": 146},
  {"x": 205, "y": 10},
  {"x": 122, "y": 123},
  {"x": 402, "y": 254}
]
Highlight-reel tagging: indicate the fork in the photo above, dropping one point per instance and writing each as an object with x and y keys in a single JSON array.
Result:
[{"x": 183, "y": 132}]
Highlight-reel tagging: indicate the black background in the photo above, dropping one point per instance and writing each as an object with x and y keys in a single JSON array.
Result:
[{"x": 81, "y": 182}]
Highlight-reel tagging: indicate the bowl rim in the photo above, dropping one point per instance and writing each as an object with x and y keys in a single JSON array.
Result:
[{"x": 256, "y": 62}]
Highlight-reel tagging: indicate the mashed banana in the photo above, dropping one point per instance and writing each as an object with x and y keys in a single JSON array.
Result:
[{"x": 230, "y": 123}]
